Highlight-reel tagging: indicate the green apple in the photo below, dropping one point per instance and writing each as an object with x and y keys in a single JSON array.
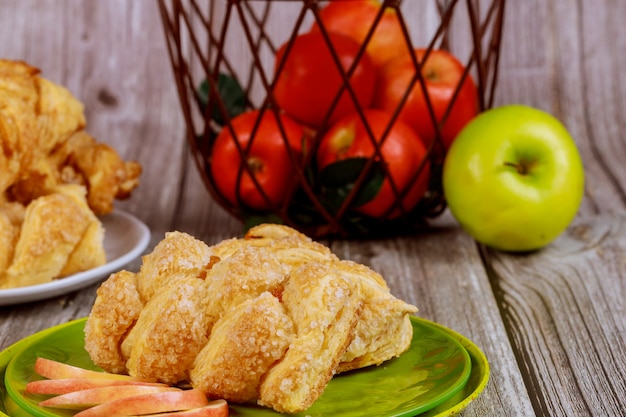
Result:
[{"x": 513, "y": 178}]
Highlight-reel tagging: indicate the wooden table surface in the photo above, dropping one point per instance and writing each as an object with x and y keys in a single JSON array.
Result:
[{"x": 552, "y": 323}]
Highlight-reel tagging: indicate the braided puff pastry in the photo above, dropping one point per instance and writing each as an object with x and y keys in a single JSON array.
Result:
[
  {"x": 243, "y": 347},
  {"x": 269, "y": 318},
  {"x": 325, "y": 307}
]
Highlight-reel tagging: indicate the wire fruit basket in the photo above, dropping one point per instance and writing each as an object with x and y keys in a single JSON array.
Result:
[{"x": 272, "y": 145}]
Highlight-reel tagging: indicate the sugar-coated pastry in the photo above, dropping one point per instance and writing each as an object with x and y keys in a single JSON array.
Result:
[
  {"x": 52, "y": 227},
  {"x": 245, "y": 274},
  {"x": 325, "y": 307},
  {"x": 268, "y": 318},
  {"x": 242, "y": 347},
  {"x": 177, "y": 257},
  {"x": 384, "y": 329},
  {"x": 114, "y": 313},
  {"x": 169, "y": 333},
  {"x": 89, "y": 251},
  {"x": 43, "y": 132},
  {"x": 291, "y": 247},
  {"x": 47, "y": 156},
  {"x": 11, "y": 218}
]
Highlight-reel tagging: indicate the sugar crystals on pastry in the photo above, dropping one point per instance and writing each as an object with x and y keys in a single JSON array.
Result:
[
  {"x": 11, "y": 218},
  {"x": 114, "y": 313},
  {"x": 52, "y": 227},
  {"x": 176, "y": 257},
  {"x": 169, "y": 334},
  {"x": 269, "y": 318},
  {"x": 243, "y": 346},
  {"x": 245, "y": 274},
  {"x": 325, "y": 307}
]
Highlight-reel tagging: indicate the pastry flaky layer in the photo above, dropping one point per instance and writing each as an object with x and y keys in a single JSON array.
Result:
[
  {"x": 268, "y": 318},
  {"x": 54, "y": 180}
]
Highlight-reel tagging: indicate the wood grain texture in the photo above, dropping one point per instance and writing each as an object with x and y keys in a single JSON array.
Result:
[
  {"x": 564, "y": 308},
  {"x": 552, "y": 323}
]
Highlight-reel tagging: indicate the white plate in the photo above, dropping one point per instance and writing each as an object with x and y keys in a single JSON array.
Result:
[{"x": 125, "y": 238}]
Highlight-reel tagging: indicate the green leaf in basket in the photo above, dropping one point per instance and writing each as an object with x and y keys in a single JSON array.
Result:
[
  {"x": 231, "y": 94},
  {"x": 339, "y": 178}
]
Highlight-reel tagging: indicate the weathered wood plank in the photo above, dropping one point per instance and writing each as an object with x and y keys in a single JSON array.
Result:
[
  {"x": 602, "y": 37},
  {"x": 565, "y": 312},
  {"x": 563, "y": 308},
  {"x": 20, "y": 321}
]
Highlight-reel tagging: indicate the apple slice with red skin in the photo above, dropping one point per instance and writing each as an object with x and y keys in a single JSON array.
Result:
[
  {"x": 90, "y": 397},
  {"x": 217, "y": 408},
  {"x": 161, "y": 402},
  {"x": 65, "y": 386},
  {"x": 52, "y": 369}
]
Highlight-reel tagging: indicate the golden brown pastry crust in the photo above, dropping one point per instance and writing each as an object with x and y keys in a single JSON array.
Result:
[
  {"x": 53, "y": 225},
  {"x": 242, "y": 347},
  {"x": 11, "y": 218},
  {"x": 46, "y": 156},
  {"x": 114, "y": 313},
  {"x": 325, "y": 307},
  {"x": 245, "y": 274},
  {"x": 44, "y": 142},
  {"x": 170, "y": 331},
  {"x": 58, "y": 236},
  {"x": 177, "y": 256},
  {"x": 291, "y": 247},
  {"x": 384, "y": 329},
  {"x": 89, "y": 251},
  {"x": 281, "y": 315}
]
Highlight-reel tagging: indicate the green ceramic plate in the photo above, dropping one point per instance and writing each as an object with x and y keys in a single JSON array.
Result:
[{"x": 439, "y": 375}]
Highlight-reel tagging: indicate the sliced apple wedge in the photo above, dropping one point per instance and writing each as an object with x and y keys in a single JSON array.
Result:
[
  {"x": 161, "y": 402},
  {"x": 64, "y": 386},
  {"x": 217, "y": 408},
  {"x": 51, "y": 369},
  {"x": 78, "y": 400}
]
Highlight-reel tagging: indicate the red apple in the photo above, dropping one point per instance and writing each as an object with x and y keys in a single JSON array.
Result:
[
  {"x": 217, "y": 408},
  {"x": 402, "y": 154},
  {"x": 442, "y": 74},
  {"x": 94, "y": 396},
  {"x": 64, "y": 386},
  {"x": 268, "y": 143},
  {"x": 57, "y": 370},
  {"x": 356, "y": 18},
  {"x": 161, "y": 402},
  {"x": 310, "y": 79}
]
